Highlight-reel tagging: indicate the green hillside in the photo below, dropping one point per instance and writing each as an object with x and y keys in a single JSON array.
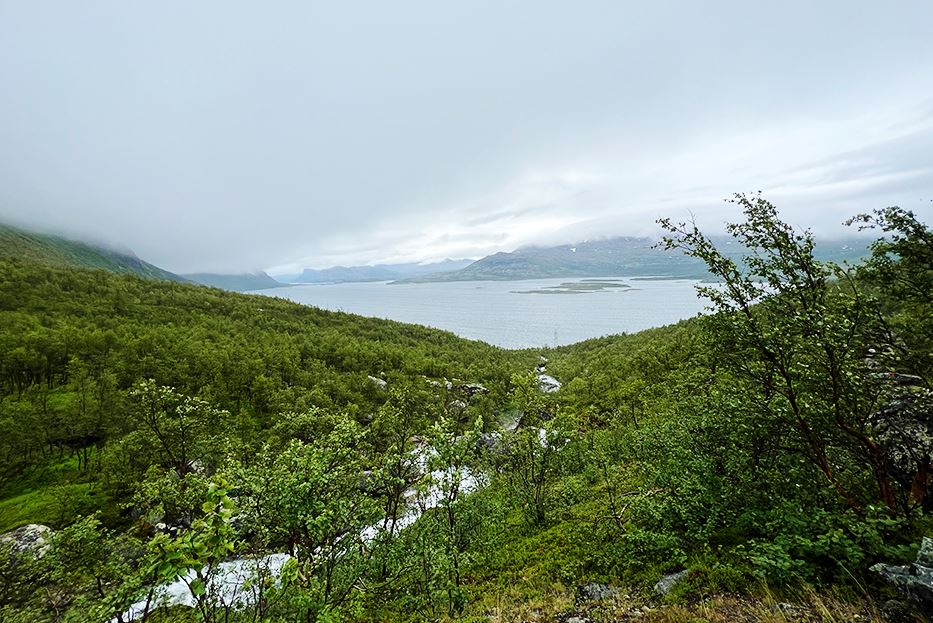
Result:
[
  {"x": 612, "y": 257},
  {"x": 769, "y": 454},
  {"x": 242, "y": 282},
  {"x": 57, "y": 251}
]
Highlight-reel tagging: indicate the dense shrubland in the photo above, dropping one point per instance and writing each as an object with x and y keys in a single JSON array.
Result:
[{"x": 162, "y": 428}]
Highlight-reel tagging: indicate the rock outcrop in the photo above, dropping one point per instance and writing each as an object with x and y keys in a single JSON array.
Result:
[
  {"x": 596, "y": 592},
  {"x": 31, "y": 539},
  {"x": 667, "y": 583},
  {"x": 914, "y": 580},
  {"x": 548, "y": 383},
  {"x": 904, "y": 429}
]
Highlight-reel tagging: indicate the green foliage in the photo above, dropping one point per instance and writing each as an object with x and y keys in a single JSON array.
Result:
[
  {"x": 306, "y": 498},
  {"x": 900, "y": 269},
  {"x": 740, "y": 444},
  {"x": 797, "y": 342},
  {"x": 199, "y": 550},
  {"x": 806, "y": 544}
]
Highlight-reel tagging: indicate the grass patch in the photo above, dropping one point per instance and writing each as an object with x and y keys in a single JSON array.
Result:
[
  {"x": 53, "y": 493},
  {"x": 54, "y": 506}
]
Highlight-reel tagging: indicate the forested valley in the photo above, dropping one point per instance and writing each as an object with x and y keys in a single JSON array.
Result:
[{"x": 760, "y": 461}]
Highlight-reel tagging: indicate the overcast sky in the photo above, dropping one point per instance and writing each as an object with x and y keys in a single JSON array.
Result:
[{"x": 230, "y": 136}]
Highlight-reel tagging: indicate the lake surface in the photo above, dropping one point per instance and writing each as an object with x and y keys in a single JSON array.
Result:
[{"x": 513, "y": 314}]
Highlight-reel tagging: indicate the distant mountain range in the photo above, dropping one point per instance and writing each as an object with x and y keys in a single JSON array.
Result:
[
  {"x": 613, "y": 257},
  {"x": 57, "y": 251},
  {"x": 242, "y": 282},
  {"x": 378, "y": 272}
]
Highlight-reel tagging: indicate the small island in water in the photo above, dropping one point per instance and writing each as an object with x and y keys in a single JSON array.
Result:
[{"x": 583, "y": 286}]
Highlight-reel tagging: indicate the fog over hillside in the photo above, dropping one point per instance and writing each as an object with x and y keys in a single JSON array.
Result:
[{"x": 239, "y": 139}]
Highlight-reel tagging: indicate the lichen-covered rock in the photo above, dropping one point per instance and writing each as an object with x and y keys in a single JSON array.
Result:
[
  {"x": 904, "y": 429},
  {"x": 31, "y": 539},
  {"x": 915, "y": 580},
  {"x": 667, "y": 583},
  {"x": 596, "y": 592}
]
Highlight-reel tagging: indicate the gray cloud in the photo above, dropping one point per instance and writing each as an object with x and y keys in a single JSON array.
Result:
[{"x": 235, "y": 135}]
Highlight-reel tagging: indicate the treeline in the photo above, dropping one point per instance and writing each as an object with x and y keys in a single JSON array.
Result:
[
  {"x": 74, "y": 341},
  {"x": 783, "y": 439}
]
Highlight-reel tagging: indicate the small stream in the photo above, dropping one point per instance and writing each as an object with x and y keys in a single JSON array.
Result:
[{"x": 229, "y": 582}]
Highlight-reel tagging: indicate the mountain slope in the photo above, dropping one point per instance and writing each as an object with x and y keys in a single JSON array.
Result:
[
  {"x": 599, "y": 258},
  {"x": 241, "y": 282},
  {"x": 57, "y": 251},
  {"x": 614, "y": 257},
  {"x": 378, "y": 272}
]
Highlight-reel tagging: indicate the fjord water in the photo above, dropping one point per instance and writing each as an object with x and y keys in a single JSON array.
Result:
[{"x": 504, "y": 313}]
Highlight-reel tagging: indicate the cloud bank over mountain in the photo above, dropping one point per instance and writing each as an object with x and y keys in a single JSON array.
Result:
[{"x": 233, "y": 136}]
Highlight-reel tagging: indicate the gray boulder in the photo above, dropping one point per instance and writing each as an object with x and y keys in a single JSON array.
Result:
[
  {"x": 914, "y": 580},
  {"x": 925, "y": 555},
  {"x": 596, "y": 592},
  {"x": 667, "y": 583},
  {"x": 31, "y": 539},
  {"x": 548, "y": 384},
  {"x": 471, "y": 389}
]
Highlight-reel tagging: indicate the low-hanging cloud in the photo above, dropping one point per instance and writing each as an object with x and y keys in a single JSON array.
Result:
[{"x": 231, "y": 136}]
